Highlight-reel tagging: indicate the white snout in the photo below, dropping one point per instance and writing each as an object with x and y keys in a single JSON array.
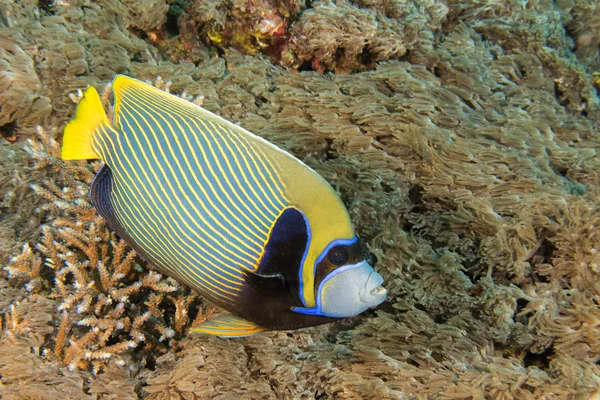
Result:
[{"x": 350, "y": 290}]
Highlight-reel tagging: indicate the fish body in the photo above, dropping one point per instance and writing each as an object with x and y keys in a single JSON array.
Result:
[{"x": 223, "y": 211}]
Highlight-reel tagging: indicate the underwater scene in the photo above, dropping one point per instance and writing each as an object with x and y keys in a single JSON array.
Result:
[{"x": 299, "y": 199}]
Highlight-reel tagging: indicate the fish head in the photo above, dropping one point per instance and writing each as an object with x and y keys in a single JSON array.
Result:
[{"x": 345, "y": 284}]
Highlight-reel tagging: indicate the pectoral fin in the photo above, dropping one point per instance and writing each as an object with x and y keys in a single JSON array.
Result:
[
  {"x": 228, "y": 326},
  {"x": 272, "y": 285}
]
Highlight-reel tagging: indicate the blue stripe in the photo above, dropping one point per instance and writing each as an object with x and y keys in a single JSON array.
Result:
[
  {"x": 339, "y": 242},
  {"x": 317, "y": 310},
  {"x": 246, "y": 253},
  {"x": 205, "y": 142},
  {"x": 167, "y": 251},
  {"x": 242, "y": 173},
  {"x": 249, "y": 169},
  {"x": 152, "y": 146},
  {"x": 217, "y": 130},
  {"x": 302, "y": 263}
]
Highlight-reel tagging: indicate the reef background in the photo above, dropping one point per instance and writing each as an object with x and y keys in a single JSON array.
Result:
[{"x": 462, "y": 135}]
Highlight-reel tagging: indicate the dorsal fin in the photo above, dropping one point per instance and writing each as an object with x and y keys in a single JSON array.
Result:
[{"x": 126, "y": 89}]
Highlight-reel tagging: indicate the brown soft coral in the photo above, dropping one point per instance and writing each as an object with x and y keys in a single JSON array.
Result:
[
  {"x": 536, "y": 27},
  {"x": 145, "y": 16},
  {"x": 346, "y": 37},
  {"x": 20, "y": 221},
  {"x": 42, "y": 59},
  {"x": 21, "y": 105},
  {"x": 576, "y": 258},
  {"x": 206, "y": 370},
  {"x": 581, "y": 19},
  {"x": 341, "y": 36}
]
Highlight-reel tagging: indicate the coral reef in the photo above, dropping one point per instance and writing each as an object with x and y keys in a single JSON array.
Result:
[
  {"x": 20, "y": 88},
  {"x": 341, "y": 36},
  {"x": 581, "y": 19},
  {"x": 249, "y": 26},
  {"x": 536, "y": 28},
  {"x": 344, "y": 36},
  {"x": 469, "y": 169},
  {"x": 108, "y": 306},
  {"x": 18, "y": 221},
  {"x": 47, "y": 54}
]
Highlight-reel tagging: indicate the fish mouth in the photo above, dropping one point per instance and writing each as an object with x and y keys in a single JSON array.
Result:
[
  {"x": 379, "y": 291},
  {"x": 373, "y": 293}
]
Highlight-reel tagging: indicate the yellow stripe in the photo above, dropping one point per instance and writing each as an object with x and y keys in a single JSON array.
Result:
[
  {"x": 216, "y": 332},
  {"x": 122, "y": 215},
  {"x": 236, "y": 275},
  {"x": 263, "y": 206},
  {"x": 184, "y": 194},
  {"x": 201, "y": 186},
  {"x": 235, "y": 204},
  {"x": 230, "y": 138},
  {"x": 187, "y": 110},
  {"x": 184, "y": 114},
  {"x": 200, "y": 278},
  {"x": 234, "y": 136},
  {"x": 235, "y": 192},
  {"x": 168, "y": 255},
  {"x": 265, "y": 159},
  {"x": 168, "y": 198},
  {"x": 228, "y": 326},
  {"x": 212, "y": 171},
  {"x": 158, "y": 220}
]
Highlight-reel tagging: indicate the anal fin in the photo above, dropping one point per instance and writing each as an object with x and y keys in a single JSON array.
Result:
[{"x": 228, "y": 326}]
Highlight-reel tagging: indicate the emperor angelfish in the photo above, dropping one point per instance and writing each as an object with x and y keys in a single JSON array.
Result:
[{"x": 223, "y": 211}]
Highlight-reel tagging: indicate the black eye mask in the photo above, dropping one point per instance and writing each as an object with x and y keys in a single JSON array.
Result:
[{"x": 338, "y": 256}]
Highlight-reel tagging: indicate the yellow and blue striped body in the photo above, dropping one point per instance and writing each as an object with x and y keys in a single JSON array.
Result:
[{"x": 211, "y": 204}]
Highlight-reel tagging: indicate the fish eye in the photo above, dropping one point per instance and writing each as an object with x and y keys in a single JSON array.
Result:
[{"x": 338, "y": 255}]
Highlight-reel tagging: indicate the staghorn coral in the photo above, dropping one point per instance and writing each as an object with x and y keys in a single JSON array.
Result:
[
  {"x": 108, "y": 305},
  {"x": 28, "y": 373}
]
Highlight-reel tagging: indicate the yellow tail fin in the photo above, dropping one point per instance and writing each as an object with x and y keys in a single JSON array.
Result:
[{"x": 77, "y": 139}]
